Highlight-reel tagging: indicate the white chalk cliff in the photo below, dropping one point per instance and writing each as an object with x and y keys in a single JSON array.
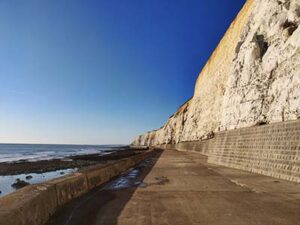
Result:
[{"x": 253, "y": 77}]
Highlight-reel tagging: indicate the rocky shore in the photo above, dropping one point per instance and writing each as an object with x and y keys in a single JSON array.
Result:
[{"x": 77, "y": 161}]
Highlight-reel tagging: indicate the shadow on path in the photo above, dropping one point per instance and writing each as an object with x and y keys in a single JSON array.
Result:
[{"x": 104, "y": 204}]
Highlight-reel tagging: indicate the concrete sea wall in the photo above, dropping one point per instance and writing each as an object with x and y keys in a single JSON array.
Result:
[
  {"x": 272, "y": 150},
  {"x": 34, "y": 204}
]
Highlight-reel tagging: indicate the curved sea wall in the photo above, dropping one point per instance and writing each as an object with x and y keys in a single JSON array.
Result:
[
  {"x": 272, "y": 150},
  {"x": 253, "y": 77},
  {"x": 35, "y": 204}
]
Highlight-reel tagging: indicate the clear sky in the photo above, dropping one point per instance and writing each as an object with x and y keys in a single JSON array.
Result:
[{"x": 101, "y": 72}]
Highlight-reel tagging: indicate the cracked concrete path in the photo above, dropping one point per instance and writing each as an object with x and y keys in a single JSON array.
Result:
[{"x": 180, "y": 188}]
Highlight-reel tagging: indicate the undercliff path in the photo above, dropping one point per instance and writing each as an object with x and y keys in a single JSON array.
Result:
[{"x": 180, "y": 188}]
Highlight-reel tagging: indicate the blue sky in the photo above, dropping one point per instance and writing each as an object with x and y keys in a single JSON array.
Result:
[{"x": 101, "y": 72}]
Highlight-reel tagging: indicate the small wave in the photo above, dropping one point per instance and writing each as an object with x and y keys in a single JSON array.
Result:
[{"x": 31, "y": 152}]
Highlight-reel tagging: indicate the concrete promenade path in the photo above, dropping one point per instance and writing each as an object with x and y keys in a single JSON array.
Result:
[{"x": 180, "y": 188}]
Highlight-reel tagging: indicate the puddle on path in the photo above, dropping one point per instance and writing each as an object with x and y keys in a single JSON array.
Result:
[{"x": 132, "y": 178}]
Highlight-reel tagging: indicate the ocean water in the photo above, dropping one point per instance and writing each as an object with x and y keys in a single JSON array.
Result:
[
  {"x": 34, "y": 152},
  {"x": 7, "y": 181}
]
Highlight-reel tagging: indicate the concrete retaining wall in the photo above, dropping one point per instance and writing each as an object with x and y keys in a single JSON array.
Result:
[
  {"x": 202, "y": 147},
  {"x": 34, "y": 204},
  {"x": 30, "y": 205},
  {"x": 69, "y": 187},
  {"x": 272, "y": 150}
]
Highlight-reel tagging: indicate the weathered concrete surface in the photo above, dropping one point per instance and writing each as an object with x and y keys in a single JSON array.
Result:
[
  {"x": 272, "y": 150},
  {"x": 69, "y": 187},
  {"x": 180, "y": 188},
  {"x": 34, "y": 204},
  {"x": 30, "y": 205}
]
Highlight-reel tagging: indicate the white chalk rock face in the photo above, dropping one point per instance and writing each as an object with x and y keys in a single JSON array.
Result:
[
  {"x": 253, "y": 77},
  {"x": 263, "y": 86}
]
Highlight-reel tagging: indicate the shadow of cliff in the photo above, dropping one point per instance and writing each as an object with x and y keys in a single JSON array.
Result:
[{"x": 104, "y": 204}]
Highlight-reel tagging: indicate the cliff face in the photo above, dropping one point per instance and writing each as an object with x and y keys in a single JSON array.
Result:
[{"x": 252, "y": 77}]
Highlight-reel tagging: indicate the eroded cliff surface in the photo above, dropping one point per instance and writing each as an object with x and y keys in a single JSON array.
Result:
[
  {"x": 264, "y": 84},
  {"x": 253, "y": 77}
]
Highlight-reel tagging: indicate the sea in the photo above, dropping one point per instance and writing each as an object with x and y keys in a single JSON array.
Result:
[{"x": 34, "y": 152}]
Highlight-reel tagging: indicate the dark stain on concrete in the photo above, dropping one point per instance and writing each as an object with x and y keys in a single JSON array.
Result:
[{"x": 86, "y": 209}]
